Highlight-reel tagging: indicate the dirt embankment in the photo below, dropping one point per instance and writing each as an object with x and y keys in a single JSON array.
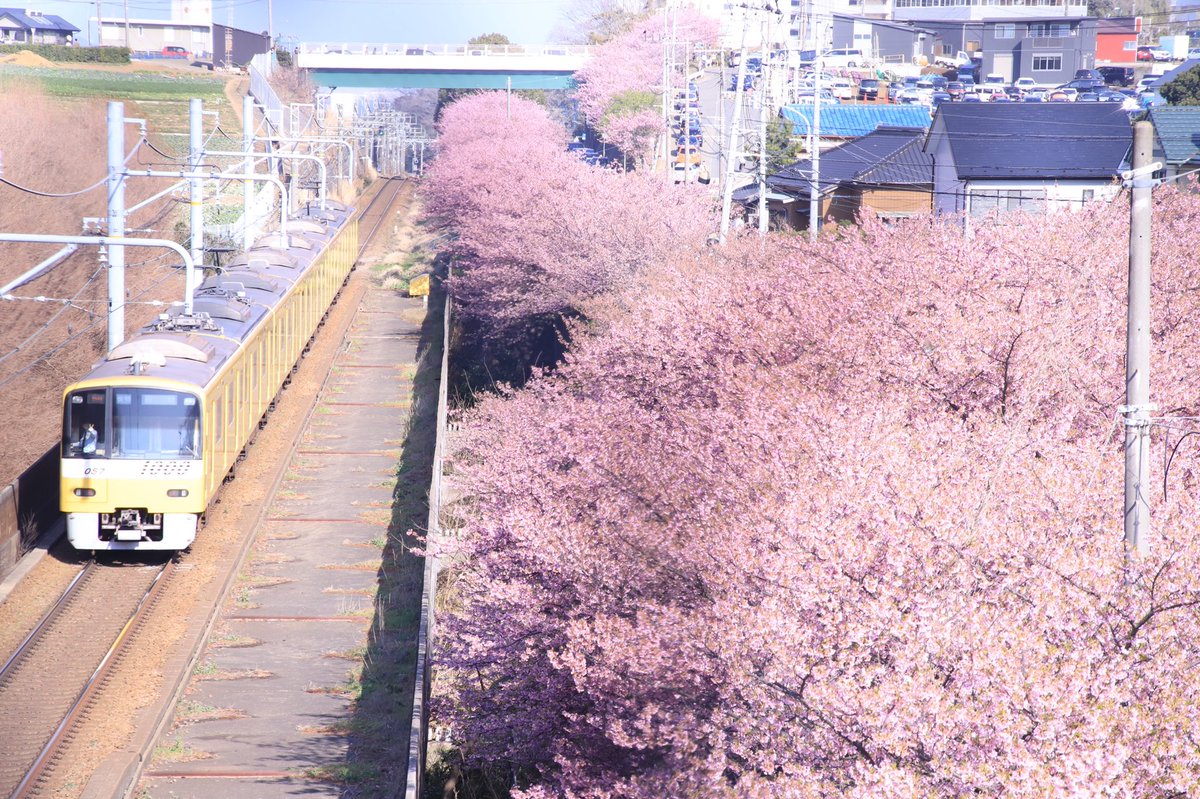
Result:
[{"x": 54, "y": 166}]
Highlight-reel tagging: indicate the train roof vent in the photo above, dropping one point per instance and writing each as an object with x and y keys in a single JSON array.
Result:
[
  {"x": 262, "y": 258},
  {"x": 275, "y": 240},
  {"x": 225, "y": 307},
  {"x": 243, "y": 279},
  {"x": 188, "y": 347},
  {"x": 306, "y": 226}
]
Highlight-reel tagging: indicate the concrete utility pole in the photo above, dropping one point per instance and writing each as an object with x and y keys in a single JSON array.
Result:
[
  {"x": 1137, "y": 406},
  {"x": 730, "y": 165},
  {"x": 763, "y": 214},
  {"x": 248, "y": 168},
  {"x": 195, "y": 158},
  {"x": 97, "y": 23},
  {"x": 116, "y": 224}
]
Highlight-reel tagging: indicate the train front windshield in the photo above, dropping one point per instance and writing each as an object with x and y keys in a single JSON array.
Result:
[{"x": 133, "y": 423}]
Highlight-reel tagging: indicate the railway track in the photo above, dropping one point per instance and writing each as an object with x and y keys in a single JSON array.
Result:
[
  {"x": 378, "y": 210},
  {"x": 49, "y": 685},
  {"x": 63, "y": 663}
]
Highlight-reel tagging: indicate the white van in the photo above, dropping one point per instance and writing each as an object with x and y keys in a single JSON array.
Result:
[
  {"x": 988, "y": 91},
  {"x": 846, "y": 57}
]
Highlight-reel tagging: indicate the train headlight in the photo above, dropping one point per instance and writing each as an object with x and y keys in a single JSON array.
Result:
[
  {"x": 177, "y": 492},
  {"x": 85, "y": 492}
]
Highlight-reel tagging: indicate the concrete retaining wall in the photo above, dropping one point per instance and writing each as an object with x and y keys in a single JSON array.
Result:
[{"x": 28, "y": 508}]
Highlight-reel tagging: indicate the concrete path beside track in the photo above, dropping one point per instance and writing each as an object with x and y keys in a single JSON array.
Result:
[{"x": 268, "y": 710}]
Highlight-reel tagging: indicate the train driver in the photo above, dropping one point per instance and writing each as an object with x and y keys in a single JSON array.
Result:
[{"x": 88, "y": 444}]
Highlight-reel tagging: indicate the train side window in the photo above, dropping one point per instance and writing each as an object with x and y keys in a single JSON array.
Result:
[
  {"x": 218, "y": 410},
  {"x": 85, "y": 433}
]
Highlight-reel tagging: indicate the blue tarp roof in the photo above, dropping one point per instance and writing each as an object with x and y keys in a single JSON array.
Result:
[{"x": 852, "y": 121}]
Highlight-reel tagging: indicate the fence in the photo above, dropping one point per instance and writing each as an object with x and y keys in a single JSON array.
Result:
[
  {"x": 419, "y": 732},
  {"x": 262, "y": 66}
]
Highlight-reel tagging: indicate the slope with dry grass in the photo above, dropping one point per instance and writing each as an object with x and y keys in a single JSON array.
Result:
[{"x": 52, "y": 146}]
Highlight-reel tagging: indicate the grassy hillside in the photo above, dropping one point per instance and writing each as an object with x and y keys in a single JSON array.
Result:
[{"x": 53, "y": 125}]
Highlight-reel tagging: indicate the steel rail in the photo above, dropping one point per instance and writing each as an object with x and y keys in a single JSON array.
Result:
[
  {"x": 46, "y": 620},
  {"x": 88, "y": 692}
]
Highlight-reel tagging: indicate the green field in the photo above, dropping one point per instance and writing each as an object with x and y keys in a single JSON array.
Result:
[{"x": 161, "y": 98}]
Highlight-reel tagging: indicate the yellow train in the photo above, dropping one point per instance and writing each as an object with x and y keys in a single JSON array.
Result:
[{"x": 151, "y": 433}]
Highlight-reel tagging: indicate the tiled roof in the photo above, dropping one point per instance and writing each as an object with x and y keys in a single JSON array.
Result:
[
  {"x": 1041, "y": 141},
  {"x": 1177, "y": 128},
  {"x": 1116, "y": 25},
  {"x": 1174, "y": 73},
  {"x": 886, "y": 156},
  {"x": 852, "y": 121},
  {"x": 41, "y": 22}
]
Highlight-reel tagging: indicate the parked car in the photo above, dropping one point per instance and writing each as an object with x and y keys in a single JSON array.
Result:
[
  {"x": 1084, "y": 85},
  {"x": 994, "y": 79},
  {"x": 1025, "y": 84},
  {"x": 808, "y": 96},
  {"x": 1112, "y": 97},
  {"x": 1193, "y": 53},
  {"x": 175, "y": 51},
  {"x": 842, "y": 88},
  {"x": 868, "y": 89},
  {"x": 1087, "y": 74},
  {"x": 907, "y": 95},
  {"x": 937, "y": 98},
  {"x": 990, "y": 92},
  {"x": 1146, "y": 82},
  {"x": 1148, "y": 53},
  {"x": 842, "y": 57},
  {"x": 1117, "y": 76},
  {"x": 747, "y": 83},
  {"x": 955, "y": 89}
]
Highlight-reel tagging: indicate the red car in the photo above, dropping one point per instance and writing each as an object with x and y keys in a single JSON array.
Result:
[{"x": 175, "y": 51}]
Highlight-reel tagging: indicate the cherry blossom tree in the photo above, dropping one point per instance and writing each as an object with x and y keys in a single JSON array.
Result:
[
  {"x": 839, "y": 518},
  {"x": 539, "y": 235},
  {"x": 633, "y": 63}
]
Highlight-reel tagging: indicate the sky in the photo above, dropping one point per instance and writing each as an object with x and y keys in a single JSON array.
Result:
[{"x": 375, "y": 21}]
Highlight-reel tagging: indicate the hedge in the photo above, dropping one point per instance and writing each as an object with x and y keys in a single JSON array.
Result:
[{"x": 60, "y": 52}]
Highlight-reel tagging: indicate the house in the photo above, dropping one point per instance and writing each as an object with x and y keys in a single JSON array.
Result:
[
  {"x": 1176, "y": 139},
  {"x": 1117, "y": 39},
  {"x": 18, "y": 26},
  {"x": 152, "y": 35},
  {"x": 886, "y": 41},
  {"x": 1047, "y": 49},
  {"x": 233, "y": 47},
  {"x": 1026, "y": 156},
  {"x": 885, "y": 172}
]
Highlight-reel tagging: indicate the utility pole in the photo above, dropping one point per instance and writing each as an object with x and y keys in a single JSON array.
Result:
[
  {"x": 195, "y": 158},
  {"x": 127, "y": 47},
  {"x": 1137, "y": 406},
  {"x": 764, "y": 85},
  {"x": 734, "y": 125},
  {"x": 97, "y": 23},
  {"x": 116, "y": 222},
  {"x": 248, "y": 167}
]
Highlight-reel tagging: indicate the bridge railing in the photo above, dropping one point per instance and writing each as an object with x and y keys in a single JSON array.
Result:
[{"x": 359, "y": 48}]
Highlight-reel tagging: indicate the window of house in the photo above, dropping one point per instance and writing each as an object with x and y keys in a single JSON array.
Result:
[
  {"x": 1006, "y": 31},
  {"x": 986, "y": 201},
  {"x": 1130, "y": 45},
  {"x": 1059, "y": 30},
  {"x": 1047, "y": 63},
  {"x": 1089, "y": 195}
]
